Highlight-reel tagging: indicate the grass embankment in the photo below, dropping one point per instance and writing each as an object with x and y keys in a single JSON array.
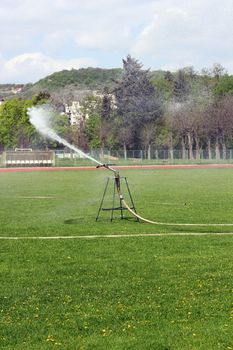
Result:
[{"x": 125, "y": 293}]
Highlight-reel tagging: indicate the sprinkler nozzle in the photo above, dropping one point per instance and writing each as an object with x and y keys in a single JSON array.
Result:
[
  {"x": 107, "y": 166},
  {"x": 102, "y": 165}
]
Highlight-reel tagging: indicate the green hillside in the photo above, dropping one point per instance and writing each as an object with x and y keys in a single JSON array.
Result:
[
  {"x": 67, "y": 81},
  {"x": 84, "y": 79},
  {"x": 81, "y": 79}
]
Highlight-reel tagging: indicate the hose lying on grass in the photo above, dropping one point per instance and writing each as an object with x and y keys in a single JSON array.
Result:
[
  {"x": 118, "y": 187},
  {"x": 165, "y": 223}
]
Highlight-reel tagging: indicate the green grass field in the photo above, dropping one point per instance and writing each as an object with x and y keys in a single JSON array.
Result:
[{"x": 167, "y": 292}]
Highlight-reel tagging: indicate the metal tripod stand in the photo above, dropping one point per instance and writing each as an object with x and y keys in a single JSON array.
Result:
[{"x": 116, "y": 191}]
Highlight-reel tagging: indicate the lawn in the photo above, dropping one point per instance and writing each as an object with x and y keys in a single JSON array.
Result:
[
  {"x": 165, "y": 293},
  {"x": 66, "y": 202}
]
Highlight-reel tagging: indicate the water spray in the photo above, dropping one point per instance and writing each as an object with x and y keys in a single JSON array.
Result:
[{"x": 40, "y": 118}]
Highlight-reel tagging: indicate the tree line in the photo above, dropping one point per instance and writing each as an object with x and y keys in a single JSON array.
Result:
[{"x": 183, "y": 110}]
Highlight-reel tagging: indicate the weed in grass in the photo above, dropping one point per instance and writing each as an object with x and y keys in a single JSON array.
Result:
[{"x": 145, "y": 293}]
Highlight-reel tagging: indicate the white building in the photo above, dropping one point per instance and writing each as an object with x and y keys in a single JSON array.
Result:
[{"x": 74, "y": 113}]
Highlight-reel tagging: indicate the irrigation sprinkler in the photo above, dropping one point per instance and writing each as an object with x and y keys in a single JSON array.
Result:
[{"x": 116, "y": 190}]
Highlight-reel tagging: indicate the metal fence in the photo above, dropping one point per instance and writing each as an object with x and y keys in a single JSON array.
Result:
[
  {"x": 66, "y": 157},
  {"x": 154, "y": 155}
]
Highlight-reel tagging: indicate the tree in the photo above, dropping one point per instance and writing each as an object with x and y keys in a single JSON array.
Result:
[
  {"x": 98, "y": 129},
  {"x": 148, "y": 133},
  {"x": 91, "y": 110},
  {"x": 92, "y": 131},
  {"x": 224, "y": 86},
  {"x": 15, "y": 127},
  {"x": 107, "y": 119},
  {"x": 181, "y": 86},
  {"x": 221, "y": 124},
  {"x": 167, "y": 136},
  {"x": 124, "y": 137},
  {"x": 106, "y": 108},
  {"x": 136, "y": 101},
  {"x": 218, "y": 71}
]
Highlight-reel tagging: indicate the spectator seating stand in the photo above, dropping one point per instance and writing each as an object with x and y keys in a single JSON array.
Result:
[{"x": 28, "y": 158}]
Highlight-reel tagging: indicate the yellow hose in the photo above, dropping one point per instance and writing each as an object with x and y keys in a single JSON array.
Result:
[
  {"x": 165, "y": 223},
  {"x": 118, "y": 187}
]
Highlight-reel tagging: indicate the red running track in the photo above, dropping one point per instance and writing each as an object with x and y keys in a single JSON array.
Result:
[{"x": 193, "y": 166}]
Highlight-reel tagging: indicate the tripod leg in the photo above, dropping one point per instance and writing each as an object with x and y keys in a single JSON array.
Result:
[
  {"x": 130, "y": 196},
  {"x": 101, "y": 204},
  {"x": 113, "y": 200},
  {"x": 122, "y": 216}
]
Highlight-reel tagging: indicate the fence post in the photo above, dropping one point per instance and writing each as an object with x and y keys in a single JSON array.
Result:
[
  {"x": 3, "y": 159},
  {"x": 54, "y": 159}
]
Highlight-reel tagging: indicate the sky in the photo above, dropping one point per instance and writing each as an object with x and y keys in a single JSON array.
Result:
[{"x": 39, "y": 37}]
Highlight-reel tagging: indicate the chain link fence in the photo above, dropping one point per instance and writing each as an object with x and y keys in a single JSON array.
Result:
[
  {"x": 156, "y": 156},
  {"x": 66, "y": 157}
]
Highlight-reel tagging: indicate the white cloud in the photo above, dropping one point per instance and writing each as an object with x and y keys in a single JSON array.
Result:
[
  {"x": 188, "y": 33},
  {"x": 115, "y": 38},
  {"x": 56, "y": 41},
  {"x": 30, "y": 67},
  {"x": 162, "y": 34}
]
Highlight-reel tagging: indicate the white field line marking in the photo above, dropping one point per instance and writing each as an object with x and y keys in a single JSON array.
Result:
[{"x": 120, "y": 236}]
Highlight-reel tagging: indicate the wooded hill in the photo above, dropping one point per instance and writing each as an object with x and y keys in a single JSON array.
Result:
[{"x": 70, "y": 82}]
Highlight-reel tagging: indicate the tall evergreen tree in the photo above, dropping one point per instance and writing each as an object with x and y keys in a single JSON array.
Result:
[
  {"x": 181, "y": 86},
  {"x": 136, "y": 100}
]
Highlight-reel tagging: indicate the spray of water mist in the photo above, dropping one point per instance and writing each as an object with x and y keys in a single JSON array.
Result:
[{"x": 41, "y": 118}]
